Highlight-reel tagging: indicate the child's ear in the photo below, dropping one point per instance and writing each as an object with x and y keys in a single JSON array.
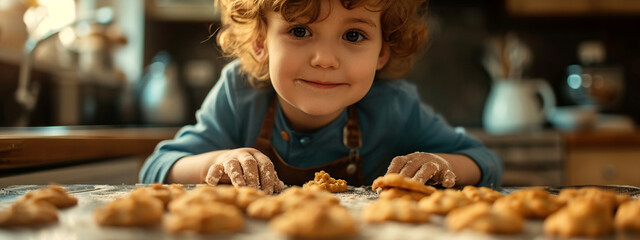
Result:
[
  {"x": 259, "y": 49},
  {"x": 385, "y": 53}
]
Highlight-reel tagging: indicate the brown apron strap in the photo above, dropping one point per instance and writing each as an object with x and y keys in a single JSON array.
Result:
[
  {"x": 267, "y": 122},
  {"x": 352, "y": 139},
  {"x": 351, "y": 132}
]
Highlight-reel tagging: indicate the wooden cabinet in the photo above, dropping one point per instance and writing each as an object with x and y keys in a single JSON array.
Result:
[
  {"x": 604, "y": 158},
  {"x": 109, "y": 171},
  {"x": 530, "y": 159}
]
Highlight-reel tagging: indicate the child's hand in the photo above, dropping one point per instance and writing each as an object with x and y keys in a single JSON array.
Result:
[
  {"x": 245, "y": 167},
  {"x": 424, "y": 167}
]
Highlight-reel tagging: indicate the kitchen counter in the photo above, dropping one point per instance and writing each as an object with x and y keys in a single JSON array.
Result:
[
  {"x": 77, "y": 222},
  {"x": 599, "y": 138},
  {"x": 24, "y": 148},
  {"x": 555, "y": 158}
]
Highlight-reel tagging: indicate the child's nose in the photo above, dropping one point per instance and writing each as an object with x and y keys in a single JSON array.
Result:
[{"x": 325, "y": 56}]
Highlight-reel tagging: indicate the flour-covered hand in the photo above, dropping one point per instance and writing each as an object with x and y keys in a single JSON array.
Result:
[
  {"x": 424, "y": 167},
  {"x": 245, "y": 167}
]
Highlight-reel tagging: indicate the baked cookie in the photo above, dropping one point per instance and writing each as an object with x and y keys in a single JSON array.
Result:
[
  {"x": 326, "y": 182},
  {"x": 399, "y": 210},
  {"x": 481, "y": 194},
  {"x": 291, "y": 198},
  {"x": 391, "y": 193},
  {"x": 316, "y": 220},
  {"x": 53, "y": 194},
  {"x": 28, "y": 213},
  {"x": 530, "y": 203},
  {"x": 265, "y": 208},
  {"x": 240, "y": 197},
  {"x": 481, "y": 217},
  {"x": 609, "y": 197},
  {"x": 627, "y": 217},
  {"x": 200, "y": 195},
  {"x": 164, "y": 193},
  {"x": 246, "y": 195},
  {"x": 395, "y": 180},
  {"x": 580, "y": 217},
  {"x": 132, "y": 211},
  {"x": 444, "y": 201},
  {"x": 206, "y": 218}
]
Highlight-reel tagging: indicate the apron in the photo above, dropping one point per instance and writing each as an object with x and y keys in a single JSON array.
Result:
[{"x": 348, "y": 168}]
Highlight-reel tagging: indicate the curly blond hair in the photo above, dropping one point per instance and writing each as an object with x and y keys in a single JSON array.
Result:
[{"x": 404, "y": 29}]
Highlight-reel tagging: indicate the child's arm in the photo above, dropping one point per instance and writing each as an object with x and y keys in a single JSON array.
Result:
[
  {"x": 240, "y": 166},
  {"x": 445, "y": 169}
]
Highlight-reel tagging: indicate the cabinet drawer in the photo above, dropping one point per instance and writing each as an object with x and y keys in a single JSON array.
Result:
[{"x": 604, "y": 166}]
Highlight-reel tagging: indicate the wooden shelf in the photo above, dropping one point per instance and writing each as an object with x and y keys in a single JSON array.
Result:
[
  {"x": 567, "y": 8},
  {"x": 183, "y": 10}
]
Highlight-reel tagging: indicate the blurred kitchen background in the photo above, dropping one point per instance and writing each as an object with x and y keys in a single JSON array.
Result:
[{"x": 553, "y": 86}]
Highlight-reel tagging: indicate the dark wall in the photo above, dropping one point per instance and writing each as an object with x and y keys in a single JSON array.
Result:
[
  {"x": 452, "y": 80},
  {"x": 555, "y": 40},
  {"x": 449, "y": 75}
]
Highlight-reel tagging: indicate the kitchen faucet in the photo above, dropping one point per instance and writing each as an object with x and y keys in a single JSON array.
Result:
[{"x": 27, "y": 96}]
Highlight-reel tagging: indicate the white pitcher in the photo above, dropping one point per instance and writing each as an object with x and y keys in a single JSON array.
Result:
[{"x": 513, "y": 106}]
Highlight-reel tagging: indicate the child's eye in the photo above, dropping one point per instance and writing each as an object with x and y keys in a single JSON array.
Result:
[
  {"x": 299, "y": 32},
  {"x": 354, "y": 36}
]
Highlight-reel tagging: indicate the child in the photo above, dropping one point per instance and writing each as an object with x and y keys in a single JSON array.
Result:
[{"x": 301, "y": 97}]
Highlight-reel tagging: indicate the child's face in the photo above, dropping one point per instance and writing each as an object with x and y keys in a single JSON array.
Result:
[{"x": 318, "y": 69}]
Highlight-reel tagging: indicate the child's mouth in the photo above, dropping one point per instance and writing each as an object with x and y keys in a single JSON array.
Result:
[{"x": 321, "y": 85}]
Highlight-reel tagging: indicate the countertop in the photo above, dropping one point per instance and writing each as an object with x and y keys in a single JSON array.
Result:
[
  {"x": 570, "y": 138},
  {"x": 28, "y": 147},
  {"x": 22, "y": 148},
  {"x": 78, "y": 223},
  {"x": 602, "y": 138}
]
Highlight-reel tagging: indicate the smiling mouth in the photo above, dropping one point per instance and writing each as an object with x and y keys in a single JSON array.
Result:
[{"x": 321, "y": 85}]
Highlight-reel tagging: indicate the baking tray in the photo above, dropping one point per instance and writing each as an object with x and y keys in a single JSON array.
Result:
[{"x": 78, "y": 223}]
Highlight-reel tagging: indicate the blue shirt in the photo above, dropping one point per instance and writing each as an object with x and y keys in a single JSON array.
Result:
[{"x": 392, "y": 118}]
